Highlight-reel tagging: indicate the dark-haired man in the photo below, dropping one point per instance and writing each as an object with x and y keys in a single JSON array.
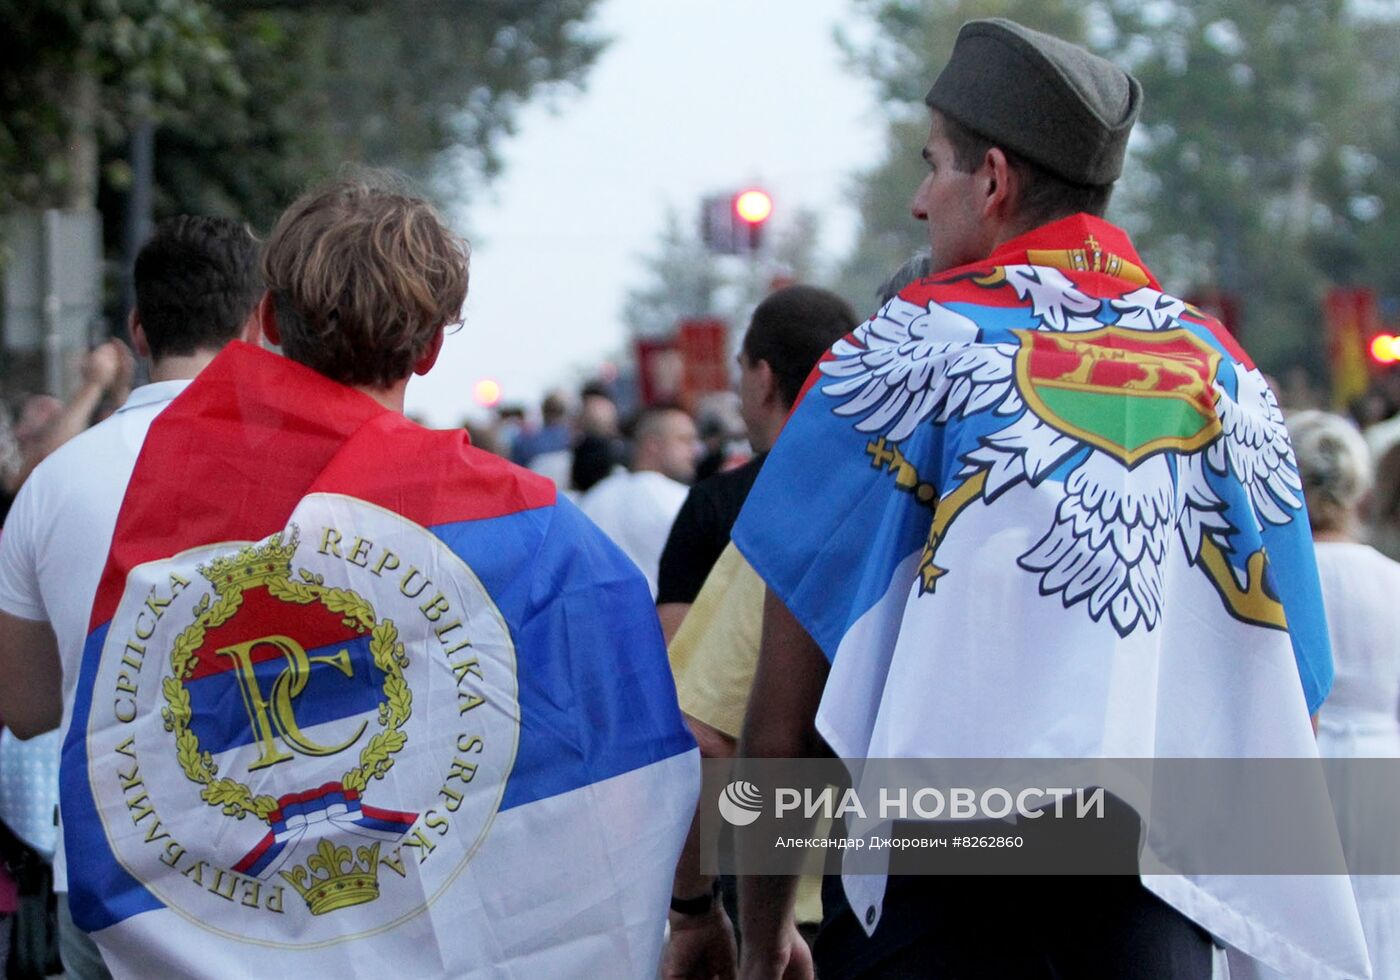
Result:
[
  {"x": 197, "y": 288},
  {"x": 711, "y": 603},
  {"x": 788, "y": 333},
  {"x": 390, "y": 692},
  {"x": 1058, "y": 518}
]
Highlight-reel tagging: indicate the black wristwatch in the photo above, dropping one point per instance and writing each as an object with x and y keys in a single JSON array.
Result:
[{"x": 698, "y": 905}]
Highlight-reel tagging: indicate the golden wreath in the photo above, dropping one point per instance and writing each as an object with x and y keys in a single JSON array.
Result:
[{"x": 376, "y": 758}]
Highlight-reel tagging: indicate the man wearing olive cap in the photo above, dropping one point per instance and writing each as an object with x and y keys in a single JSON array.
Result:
[{"x": 1059, "y": 518}]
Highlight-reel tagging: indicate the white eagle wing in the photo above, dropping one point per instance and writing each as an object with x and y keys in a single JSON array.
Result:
[
  {"x": 1059, "y": 303},
  {"x": 1026, "y": 449},
  {"x": 1253, "y": 448},
  {"x": 1148, "y": 309},
  {"x": 1258, "y": 450},
  {"x": 909, "y": 362}
]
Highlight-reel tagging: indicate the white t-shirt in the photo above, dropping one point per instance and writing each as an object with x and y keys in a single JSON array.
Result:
[
  {"x": 1359, "y": 589},
  {"x": 59, "y": 529},
  {"x": 1358, "y": 720},
  {"x": 636, "y": 510}
]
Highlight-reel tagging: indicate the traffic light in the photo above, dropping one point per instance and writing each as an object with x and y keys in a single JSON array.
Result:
[
  {"x": 1385, "y": 349},
  {"x": 732, "y": 224}
]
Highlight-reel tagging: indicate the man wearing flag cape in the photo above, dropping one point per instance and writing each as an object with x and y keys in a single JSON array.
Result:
[
  {"x": 360, "y": 699},
  {"x": 1058, "y": 517}
]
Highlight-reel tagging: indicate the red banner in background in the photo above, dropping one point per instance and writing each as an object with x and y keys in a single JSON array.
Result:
[
  {"x": 1352, "y": 320},
  {"x": 703, "y": 344},
  {"x": 660, "y": 371}
]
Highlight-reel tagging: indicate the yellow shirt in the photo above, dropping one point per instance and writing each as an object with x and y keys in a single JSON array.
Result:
[
  {"x": 715, "y": 652},
  {"x": 713, "y": 657}
]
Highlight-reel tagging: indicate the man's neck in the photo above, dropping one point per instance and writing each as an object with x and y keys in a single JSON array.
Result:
[
  {"x": 646, "y": 465},
  {"x": 1015, "y": 229},
  {"x": 182, "y": 367},
  {"x": 391, "y": 397},
  {"x": 769, "y": 429}
]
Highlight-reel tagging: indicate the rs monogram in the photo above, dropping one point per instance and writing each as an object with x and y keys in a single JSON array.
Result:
[{"x": 272, "y": 716}]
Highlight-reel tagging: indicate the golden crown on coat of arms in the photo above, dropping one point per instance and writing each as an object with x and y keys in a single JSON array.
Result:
[
  {"x": 342, "y": 881},
  {"x": 255, "y": 564}
]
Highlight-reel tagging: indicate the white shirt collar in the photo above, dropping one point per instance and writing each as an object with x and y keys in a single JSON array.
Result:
[{"x": 156, "y": 391}]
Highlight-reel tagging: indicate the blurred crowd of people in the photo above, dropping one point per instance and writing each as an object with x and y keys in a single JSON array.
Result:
[{"x": 38, "y": 424}]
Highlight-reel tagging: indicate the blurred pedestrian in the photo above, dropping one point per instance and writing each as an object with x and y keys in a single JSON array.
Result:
[
  {"x": 599, "y": 450},
  {"x": 711, "y": 602},
  {"x": 722, "y": 433},
  {"x": 510, "y": 425},
  {"x": 1359, "y": 589},
  {"x": 788, "y": 332},
  {"x": 485, "y": 436},
  {"x": 45, "y": 422},
  {"x": 637, "y": 506},
  {"x": 196, "y": 287},
  {"x": 1383, "y": 503},
  {"x": 595, "y": 458},
  {"x": 597, "y": 413},
  {"x": 554, "y": 434},
  {"x": 916, "y": 267}
]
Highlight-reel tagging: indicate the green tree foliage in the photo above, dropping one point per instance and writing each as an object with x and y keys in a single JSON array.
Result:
[
  {"x": 1264, "y": 127},
  {"x": 74, "y": 72},
  {"x": 1264, "y": 163},
  {"x": 254, "y": 98}
]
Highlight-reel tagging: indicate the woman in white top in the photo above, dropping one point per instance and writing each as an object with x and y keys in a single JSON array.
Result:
[{"x": 1361, "y": 592}]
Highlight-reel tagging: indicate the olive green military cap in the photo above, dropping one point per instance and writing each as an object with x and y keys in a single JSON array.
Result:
[{"x": 1041, "y": 97}]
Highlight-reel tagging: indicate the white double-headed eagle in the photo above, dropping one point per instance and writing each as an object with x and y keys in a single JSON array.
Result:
[{"x": 916, "y": 364}]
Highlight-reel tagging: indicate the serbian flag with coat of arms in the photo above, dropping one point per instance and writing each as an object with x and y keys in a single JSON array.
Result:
[
  {"x": 1037, "y": 508},
  {"x": 361, "y": 700}
]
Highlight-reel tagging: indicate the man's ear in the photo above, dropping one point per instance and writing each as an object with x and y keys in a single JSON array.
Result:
[
  {"x": 139, "y": 342},
  {"x": 266, "y": 316},
  {"x": 768, "y": 382},
  {"x": 430, "y": 353},
  {"x": 1001, "y": 186}
]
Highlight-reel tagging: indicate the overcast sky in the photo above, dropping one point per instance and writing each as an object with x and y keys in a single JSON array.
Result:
[{"x": 692, "y": 97}]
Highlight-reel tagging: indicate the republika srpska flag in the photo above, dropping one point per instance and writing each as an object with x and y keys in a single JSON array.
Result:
[
  {"x": 361, "y": 700},
  {"x": 1037, "y": 508}
]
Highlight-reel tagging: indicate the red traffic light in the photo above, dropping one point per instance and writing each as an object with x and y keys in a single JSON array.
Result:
[
  {"x": 1385, "y": 349},
  {"x": 732, "y": 224},
  {"x": 753, "y": 206}
]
